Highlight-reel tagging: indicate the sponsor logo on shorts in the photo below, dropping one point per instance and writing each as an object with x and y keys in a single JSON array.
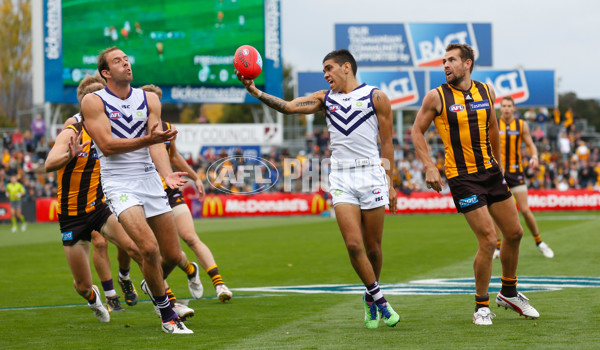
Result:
[
  {"x": 457, "y": 108},
  {"x": 465, "y": 202},
  {"x": 123, "y": 198},
  {"x": 376, "y": 191},
  {"x": 379, "y": 199},
  {"x": 148, "y": 168},
  {"x": 67, "y": 236},
  {"x": 479, "y": 105},
  {"x": 115, "y": 115},
  {"x": 337, "y": 193}
]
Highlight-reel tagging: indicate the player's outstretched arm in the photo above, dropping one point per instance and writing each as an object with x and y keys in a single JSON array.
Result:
[
  {"x": 431, "y": 105},
  {"x": 301, "y": 105}
]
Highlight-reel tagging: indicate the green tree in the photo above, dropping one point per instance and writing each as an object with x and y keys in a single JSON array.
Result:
[
  {"x": 588, "y": 109},
  {"x": 15, "y": 56}
]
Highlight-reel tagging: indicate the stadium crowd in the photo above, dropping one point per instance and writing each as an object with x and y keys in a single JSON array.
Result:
[{"x": 567, "y": 161}]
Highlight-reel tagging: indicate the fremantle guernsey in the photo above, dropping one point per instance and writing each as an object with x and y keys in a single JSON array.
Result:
[
  {"x": 128, "y": 119},
  {"x": 352, "y": 125}
]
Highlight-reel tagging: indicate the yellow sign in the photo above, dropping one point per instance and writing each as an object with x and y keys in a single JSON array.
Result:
[
  {"x": 212, "y": 206},
  {"x": 53, "y": 210},
  {"x": 318, "y": 204}
]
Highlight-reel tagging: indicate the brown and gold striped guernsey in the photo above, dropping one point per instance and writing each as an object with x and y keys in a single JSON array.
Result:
[
  {"x": 79, "y": 190},
  {"x": 463, "y": 127},
  {"x": 166, "y": 126},
  {"x": 511, "y": 138}
]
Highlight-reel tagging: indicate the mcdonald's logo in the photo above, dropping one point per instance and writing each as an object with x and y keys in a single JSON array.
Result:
[
  {"x": 318, "y": 204},
  {"x": 212, "y": 206},
  {"x": 53, "y": 210}
]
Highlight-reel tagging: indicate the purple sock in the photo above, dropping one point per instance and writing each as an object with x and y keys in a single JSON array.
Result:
[
  {"x": 375, "y": 293},
  {"x": 166, "y": 312},
  {"x": 108, "y": 285}
]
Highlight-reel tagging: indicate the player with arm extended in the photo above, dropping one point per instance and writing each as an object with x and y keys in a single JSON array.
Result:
[
  {"x": 357, "y": 115},
  {"x": 464, "y": 115},
  {"x": 513, "y": 132},
  {"x": 125, "y": 125},
  {"x": 185, "y": 223}
]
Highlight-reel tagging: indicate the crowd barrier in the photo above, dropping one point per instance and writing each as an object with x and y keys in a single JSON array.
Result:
[{"x": 284, "y": 204}]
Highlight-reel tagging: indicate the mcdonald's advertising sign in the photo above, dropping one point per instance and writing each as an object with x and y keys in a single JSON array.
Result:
[
  {"x": 46, "y": 209},
  {"x": 263, "y": 204}
]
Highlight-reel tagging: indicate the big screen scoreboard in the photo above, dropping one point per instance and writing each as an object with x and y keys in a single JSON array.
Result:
[{"x": 186, "y": 47}]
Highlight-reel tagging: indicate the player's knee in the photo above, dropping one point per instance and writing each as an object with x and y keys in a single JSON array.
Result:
[
  {"x": 515, "y": 234},
  {"x": 82, "y": 287},
  {"x": 149, "y": 251},
  {"x": 172, "y": 258},
  {"x": 100, "y": 244},
  {"x": 374, "y": 254},
  {"x": 354, "y": 249}
]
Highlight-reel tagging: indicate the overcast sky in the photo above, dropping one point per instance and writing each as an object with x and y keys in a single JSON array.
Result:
[{"x": 533, "y": 34}]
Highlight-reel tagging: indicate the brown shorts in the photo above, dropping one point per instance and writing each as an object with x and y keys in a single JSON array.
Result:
[
  {"x": 175, "y": 197},
  {"x": 514, "y": 179},
  {"x": 79, "y": 228},
  {"x": 476, "y": 190}
]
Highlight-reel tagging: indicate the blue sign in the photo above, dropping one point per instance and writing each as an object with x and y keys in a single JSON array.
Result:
[
  {"x": 412, "y": 44},
  {"x": 529, "y": 88},
  {"x": 403, "y": 88},
  {"x": 429, "y": 41},
  {"x": 375, "y": 44}
]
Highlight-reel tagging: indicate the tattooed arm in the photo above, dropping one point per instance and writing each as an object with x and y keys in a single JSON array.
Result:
[{"x": 301, "y": 105}]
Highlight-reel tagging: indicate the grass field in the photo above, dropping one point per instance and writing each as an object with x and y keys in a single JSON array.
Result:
[{"x": 40, "y": 309}]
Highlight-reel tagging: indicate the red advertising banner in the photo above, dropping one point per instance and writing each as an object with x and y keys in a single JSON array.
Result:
[
  {"x": 538, "y": 200},
  {"x": 5, "y": 211},
  {"x": 264, "y": 204},
  {"x": 46, "y": 209}
]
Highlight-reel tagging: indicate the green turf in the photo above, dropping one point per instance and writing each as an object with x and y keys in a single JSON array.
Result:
[{"x": 40, "y": 309}]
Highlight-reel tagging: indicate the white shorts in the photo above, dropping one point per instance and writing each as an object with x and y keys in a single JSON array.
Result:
[
  {"x": 366, "y": 186},
  {"x": 147, "y": 191}
]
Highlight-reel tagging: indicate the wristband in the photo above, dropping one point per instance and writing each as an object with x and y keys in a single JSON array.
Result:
[{"x": 258, "y": 95}]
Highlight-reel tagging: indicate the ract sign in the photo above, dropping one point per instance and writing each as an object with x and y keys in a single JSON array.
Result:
[
  {"x": 412, "y": 44},
  {"x": 529, "y": 88},
  {"x": 400, "y": 87},
  {"x": 429, "y": 40},
  {"x": 505, "y": 83}
]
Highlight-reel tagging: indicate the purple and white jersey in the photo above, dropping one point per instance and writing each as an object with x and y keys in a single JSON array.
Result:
[
  {"x": 352, "y": 124},
  {"x": 128, "y": 119}
]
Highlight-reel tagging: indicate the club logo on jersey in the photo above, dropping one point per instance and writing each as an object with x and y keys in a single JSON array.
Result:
[
  {"x": 457, "y": 108},
  {"x": 376, "y": 191},
  {"x": 115, "y": 115},
  {"x": 465, "y": 202},
  {"x": 82, "y": 154},
  {"x": 485, "y": 104},
  {"x": 334, "y": 108}
]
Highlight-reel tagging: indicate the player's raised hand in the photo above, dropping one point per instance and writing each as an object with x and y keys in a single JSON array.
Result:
[
  {"x": 75, "y": 146},
  {"x": 175, "y": 179},
  {"x": 158, "y": 136}
]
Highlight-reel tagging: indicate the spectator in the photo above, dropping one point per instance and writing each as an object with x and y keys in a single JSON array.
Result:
[
  {"x": 28, "y": 139},
  {"x": 583, "y": 152},
  {"x": 18, "y": 142},
  {"x": 38, "y": 128},
  {"x": 42, "y": 149},
  {"x": 564, "y": 145},
  {"x": 556, "y": 114},
  {"x": 586, "y": 175},
  {"x": 569, "y": 119}
]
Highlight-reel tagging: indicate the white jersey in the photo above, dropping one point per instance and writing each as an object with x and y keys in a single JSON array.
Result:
[
  {"x": 128, "y": 119},
  {"x": 353, "y": 126},
  {"x": 77, "y": 117}
]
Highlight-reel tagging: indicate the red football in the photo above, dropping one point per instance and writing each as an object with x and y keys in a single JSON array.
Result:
[{"x": 247, "y": 61}]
